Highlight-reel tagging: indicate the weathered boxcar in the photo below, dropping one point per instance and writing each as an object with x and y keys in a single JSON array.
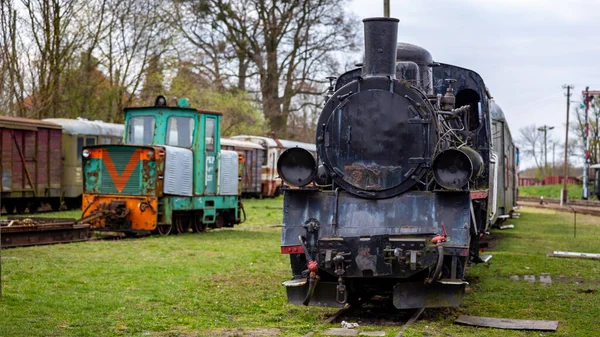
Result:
[
  {"x": 170, "y": 172},
  {"x": 251, "y": 159},
  {"x": 30, "y": 163},
  {"x": 271, "y": 183},
  {"x": 76, "y": 134}
]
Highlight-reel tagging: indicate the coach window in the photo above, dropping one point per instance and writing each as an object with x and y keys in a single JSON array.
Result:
[
  {"x": 79, "y": 149},
  {"x": 140, "y": 130},
  {"x": 90, "y": 141},
  {"x": 210, "y": 134},
  {"x": 180, "y": 131}
]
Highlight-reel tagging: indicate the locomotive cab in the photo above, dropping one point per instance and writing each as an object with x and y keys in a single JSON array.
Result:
[{"x": 169, "y": 174}]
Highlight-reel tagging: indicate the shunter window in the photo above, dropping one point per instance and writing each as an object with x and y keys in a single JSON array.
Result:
[
  {"x": 210, "y": 134},
  {"x": 180, "y": 131},
  {"x": 140, "y": 130}
]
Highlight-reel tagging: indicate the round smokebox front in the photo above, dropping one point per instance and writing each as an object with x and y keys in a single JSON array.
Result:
[{"x": 377, "y": 141}]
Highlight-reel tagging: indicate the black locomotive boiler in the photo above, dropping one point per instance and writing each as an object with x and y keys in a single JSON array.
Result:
[{"x": 399, "y": 194}]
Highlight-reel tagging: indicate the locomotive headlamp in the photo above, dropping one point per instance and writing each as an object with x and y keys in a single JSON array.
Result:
[
  {"x": 453, "y": 168},
  {"x": 85, "y": 153},
  {"x": 296, "y": 166},
  {"x": 150, "y": 154}
]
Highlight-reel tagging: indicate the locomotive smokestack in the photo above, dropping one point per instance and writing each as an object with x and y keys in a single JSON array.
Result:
[{"x": 381, "y": 35}]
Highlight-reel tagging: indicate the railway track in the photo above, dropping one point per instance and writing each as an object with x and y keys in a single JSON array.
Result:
[
  {"x": 20, "y": 232},
  {"x": 588, "y": 207},
  {"x": 377, "y": 312}
]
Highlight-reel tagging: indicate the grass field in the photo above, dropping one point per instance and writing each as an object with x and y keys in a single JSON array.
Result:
[
  {"x": 228, "y": 281},
  {"x": 550, "y": 191}
]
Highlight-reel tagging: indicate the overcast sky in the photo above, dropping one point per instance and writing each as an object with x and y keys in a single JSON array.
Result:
[{"x": 524, "y": 50}]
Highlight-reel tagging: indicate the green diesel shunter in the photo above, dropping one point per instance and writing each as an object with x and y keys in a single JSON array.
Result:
[{"x": 169, "y": 175}]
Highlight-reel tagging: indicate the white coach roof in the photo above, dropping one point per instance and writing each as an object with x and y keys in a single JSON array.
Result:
[
  {"x": 270, "y": 142},
  {"x": 82, "y": 126}
]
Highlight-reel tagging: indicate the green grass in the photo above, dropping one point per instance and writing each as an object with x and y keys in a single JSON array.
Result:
[
  {"x": 550, "y": 191},
  {"x": 200, "y": 284}
]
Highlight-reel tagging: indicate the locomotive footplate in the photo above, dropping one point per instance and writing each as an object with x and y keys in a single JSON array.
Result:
[
  {"x": 412, "y": 295},
  {"x": 324, "y": 295}
]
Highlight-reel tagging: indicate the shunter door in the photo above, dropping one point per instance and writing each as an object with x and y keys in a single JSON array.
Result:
[{"x": 210, "y": 177}]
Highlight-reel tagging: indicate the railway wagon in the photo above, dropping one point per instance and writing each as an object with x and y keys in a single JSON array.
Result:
[
  {"x": 404, "y": 183},
  {"x": 30, "y": 163},
  {"x": 169, "y": 176},
  {"x": 77, "y": 133},
  {"x": 271, "y": 183},
  {"x": 251, "y": 159},
  {"x": 504, "y": 165}
]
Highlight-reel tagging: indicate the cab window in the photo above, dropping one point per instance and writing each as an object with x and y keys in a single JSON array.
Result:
[
  {"x": 140, "y": 130},
  {"x": 210, "y": 134},
  {"x": 180, "y": 131}
]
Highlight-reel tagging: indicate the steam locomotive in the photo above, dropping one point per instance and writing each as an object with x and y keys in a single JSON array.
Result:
[{"x": 405, "y": 183}]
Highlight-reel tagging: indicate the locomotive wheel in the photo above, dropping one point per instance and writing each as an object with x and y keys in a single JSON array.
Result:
[
  {"x": 182, "y": 224},
  {"x": 220, "y": 221},
  {"x": 55, "y": 204},
  {"x": 164, "y": 229},
  {"x": 199, "y": 226},
  {"x": 20, "y": 207},
  {"x": 9, "y": 207},
  {"x": 33, "y": 206}
]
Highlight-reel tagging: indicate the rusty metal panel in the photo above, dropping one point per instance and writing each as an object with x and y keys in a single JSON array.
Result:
[
  {"x": 7, "y": 174},
  {"x": 43, "y": 169},
  {"x": 17, "y": 163},
  {"x": 55, "y": 159}
]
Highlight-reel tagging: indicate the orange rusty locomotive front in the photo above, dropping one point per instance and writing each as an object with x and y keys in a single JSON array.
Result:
[{"x": 122, "y": 186}]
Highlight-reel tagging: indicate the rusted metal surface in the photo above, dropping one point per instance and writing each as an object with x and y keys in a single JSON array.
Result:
[
  {"x": 19, "y": 232},
  {"x": 479, "y": 194},
  {"x": 120, "y": 213}
]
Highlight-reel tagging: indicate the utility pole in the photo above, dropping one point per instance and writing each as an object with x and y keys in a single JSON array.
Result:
[
  {"x": 553, "y": 152},
  {"x": 566, "y": 163},
  {"x": 545, "y": 129},
  {"x": 386, "y": 8}
]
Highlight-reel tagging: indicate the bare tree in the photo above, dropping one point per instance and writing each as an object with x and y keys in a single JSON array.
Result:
[
  {"x": 133, "y": 33},
  {"x": 531, "y": 144},
  {"x": 12, "y": 86},
  {"x": 56, "y": 32},
  {"x": 285, "y": 48}
]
